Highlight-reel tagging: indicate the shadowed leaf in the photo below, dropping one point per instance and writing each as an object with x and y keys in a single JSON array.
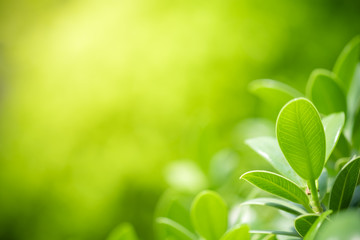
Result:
[
  {"x": 330, "y": 101},
  {"x": 303, "y": 223},
  {"x": 344, "y": 185}
]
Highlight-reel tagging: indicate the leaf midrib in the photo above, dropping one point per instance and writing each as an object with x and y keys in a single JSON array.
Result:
[
  {"x": 303, "y": 137},
  {"x": 293, "y": 195}
]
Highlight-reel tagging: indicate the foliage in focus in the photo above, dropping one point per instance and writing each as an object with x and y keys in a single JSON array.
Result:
[{"x": 317, "y": 186}]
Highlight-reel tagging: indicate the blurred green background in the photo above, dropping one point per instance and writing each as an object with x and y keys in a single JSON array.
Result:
[{"x": 97, "y": 97}]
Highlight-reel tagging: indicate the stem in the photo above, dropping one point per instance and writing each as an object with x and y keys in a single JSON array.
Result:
[{"x": 315, "y": 203}]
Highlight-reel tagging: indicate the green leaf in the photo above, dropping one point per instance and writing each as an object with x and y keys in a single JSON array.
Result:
[
  {"x": 273, "y": 92},
  {"x": 344, "y": 185},
  {"x": 223, "y": 165},
  {"x": 355, "y": 201},
  {"x": 342, "y": 147},
  {"x": 344, "y": 225},
  {"x": 175, "y": 206},
  {"x": 209, "y": 215},
  {"x": 237, "y": 233},
  {"x": 355, "y": 136},
  {"x": 268, "y": 148},
  {"x": 283, "y": 233},
  {"x": 346, "y": 63},
  {"x": 277, "y": 203},
  {"x": 323, "y": 184},
  {"x": 277, "y": 185},
  {"x": 301, "y": 138},
  {"x": 303, "y": 223},
  {"x": 330, "y": 101},
  {"x": 174, "y": 230},
  {"x": 270, "y": 237},
  {"x": 333, "y": 125},
  {"x": 124, "y": 231},
  {"x": 311, "y": 234}
]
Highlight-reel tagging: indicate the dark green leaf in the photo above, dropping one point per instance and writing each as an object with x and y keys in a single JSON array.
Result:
[
  {"x": 330, "y": 101},
  {"x": 277, "y": 203},
  {"x": 303, "y": 223},
  {"x": 277, "y": 185},
  {"x": 355, "y": 201},
  {"x": 269, "y": 149},
  {"x": 301, "y": 137},
  {"x": 346, "y": 63},
  {"x": 237, "y": 233},
  {"x": 323, "y": 184},
  {"x": 174, "y": 230},
  {"x": 355, "y": 137},
  {"x": 344, "y": 186},
  {"x": 209, "y": 215},
  {"x": 311, "y": 234},
  {"x": 333, "y": 125}
]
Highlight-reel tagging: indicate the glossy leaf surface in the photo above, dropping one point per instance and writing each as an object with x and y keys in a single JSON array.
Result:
[
  {"x": 269, "y": 149},
  {"x": 344, "y": 185},
  {"x": 174, "y": 230},
  {"x": 209, "y": 215},
  {"x": 301, "y": 137},
  {"x": 277, "y": 185},
  {"x": 346, "y": 63},
  {"x": 241, "y": 232},
  {"x": 333, "y": 125},
  {"x": 330, "y": 101},
  {"x": 312, "y": 232},
  {"x": 303, "y": 223},
  {"x": 277, "y": 203}
]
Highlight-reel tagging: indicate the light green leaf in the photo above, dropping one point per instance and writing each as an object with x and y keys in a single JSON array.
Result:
[
  {"x": 330, "y": 101},
  {"x": 209, "y": 215},
  {"x": 303, "y": 223},
  {"x": 237, "y": 233},
  {"x": 174, "y": 230},
  {"x": 124, "y": 231},
  {"x": 273, "y": 92},
  {"x": 312, "y": 232},
  {"x": 340, "y": 163},
  {"x": 344, "y": 185},
  {"x": 301, "y": 138},
  {"x": 277, "y": 203},
  {"x": 346, "y": 63},
  {"x": 344, "y": 225},
  {"x": 333, "y": 125},
  {"x": 175, "y": 206},
  {"x": 268, "y": 148},
  {"x": 277, "y": 185},
  {"x": 223, "y": 165}
]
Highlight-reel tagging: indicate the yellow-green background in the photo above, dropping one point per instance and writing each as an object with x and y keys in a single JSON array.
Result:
[{"x": 97, "y": 96}]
